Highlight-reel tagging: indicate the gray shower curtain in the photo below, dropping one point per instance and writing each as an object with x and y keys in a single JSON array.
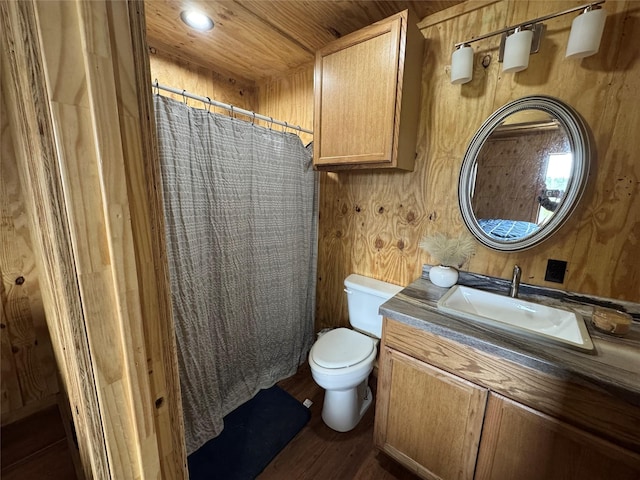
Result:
[{"x": 241, "y": 227}]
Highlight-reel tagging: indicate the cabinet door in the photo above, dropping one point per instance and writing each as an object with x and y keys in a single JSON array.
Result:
[
  {"x": 426, "y": 418},
  {"x": 356, "y": 79},
  {"x": 518, "y": 442}
]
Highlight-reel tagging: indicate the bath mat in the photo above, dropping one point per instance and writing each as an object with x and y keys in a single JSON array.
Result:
[{"x": 253, "y": 435}]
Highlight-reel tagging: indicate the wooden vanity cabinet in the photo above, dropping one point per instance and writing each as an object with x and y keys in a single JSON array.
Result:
[
  {"x": 367, "y": 97},
  {"x": 519, "y": 442},
  {"x": 442, "y": 425},
  {"x": 432, "y": 419}
]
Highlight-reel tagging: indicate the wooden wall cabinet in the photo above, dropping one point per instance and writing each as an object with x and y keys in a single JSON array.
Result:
[
  {"x": 442, "y": 426},
  {"x": 367, "y": 91}
]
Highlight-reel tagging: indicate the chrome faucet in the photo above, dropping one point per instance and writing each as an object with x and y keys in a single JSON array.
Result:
[{"x": 515, "y": 282}]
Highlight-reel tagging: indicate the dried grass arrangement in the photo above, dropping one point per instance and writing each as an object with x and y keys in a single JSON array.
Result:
[{"x": 449, "y": 251}]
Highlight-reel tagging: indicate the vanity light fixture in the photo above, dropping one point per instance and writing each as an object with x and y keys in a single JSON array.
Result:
[
  {"x": 523, "y": 39},
  {"x": 462, "y": 64},
  {"x": 517, "y": 48},
  {"x": 196, "y": 20},
  {"x": 586, "y": 32}
]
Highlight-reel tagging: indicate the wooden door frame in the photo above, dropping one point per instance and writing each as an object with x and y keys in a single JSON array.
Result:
[{"x": 143, "y": 412}]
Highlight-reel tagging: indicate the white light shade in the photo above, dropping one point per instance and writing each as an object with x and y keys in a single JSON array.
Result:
[
  {"x": 586, "y": 33},
  {"x": 462, "y": 65},
  {"x": 516, "y": 51}
]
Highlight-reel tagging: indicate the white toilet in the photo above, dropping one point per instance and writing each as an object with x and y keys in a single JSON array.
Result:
[{"x": 342, "y": 359}]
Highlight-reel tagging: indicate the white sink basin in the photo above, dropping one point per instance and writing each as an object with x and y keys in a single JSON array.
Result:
[{"x": 517, "y": 315}]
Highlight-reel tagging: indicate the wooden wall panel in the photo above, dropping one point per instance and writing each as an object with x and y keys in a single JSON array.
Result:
[
  {"x": 182, "y": 74},
  {"x": 103, "y": 170},
  {"x": 30, "y": 117},
  {"x": 596, "y": 85},
  {"x": 289, "y": 99},
  {"x": 371, "y": 223},
  {"x": 76, "y": 75},
  {"x": 29, "y": 374},
  {"x": 147, "y": 216}
]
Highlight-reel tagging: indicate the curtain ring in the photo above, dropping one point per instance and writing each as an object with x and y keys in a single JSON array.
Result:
[
  {"x": 299, "y": 130},
  {"x": 157, "y": 92},
  {"x": 232, "y": 112},
  {"x": 271, "y": 123},
  {"x": 208, "y": 105},
  {"x": 286, "y": 125},
  {"x": 184, "y": 97},
  {"x": 253, "y": 118}
]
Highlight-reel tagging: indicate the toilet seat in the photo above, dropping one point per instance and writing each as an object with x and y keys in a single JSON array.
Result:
[{"x": 342, "y": 348}]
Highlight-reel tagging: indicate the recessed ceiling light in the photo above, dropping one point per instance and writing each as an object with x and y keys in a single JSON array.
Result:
[{"x": 196, "y": 20}]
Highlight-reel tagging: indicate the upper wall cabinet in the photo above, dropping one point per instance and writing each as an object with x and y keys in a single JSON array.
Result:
[{"x": 367, "y": 97}]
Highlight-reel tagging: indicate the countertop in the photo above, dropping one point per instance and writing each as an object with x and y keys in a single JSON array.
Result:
[{"x": 614, "y": 365}]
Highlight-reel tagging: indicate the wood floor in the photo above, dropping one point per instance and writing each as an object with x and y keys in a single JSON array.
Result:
[
  {"x": 37, "y": 447},
  {"x": 319, "y": 453}
]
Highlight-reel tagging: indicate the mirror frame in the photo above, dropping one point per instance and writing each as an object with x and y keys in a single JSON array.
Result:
[{"x": 583, "y": 154}]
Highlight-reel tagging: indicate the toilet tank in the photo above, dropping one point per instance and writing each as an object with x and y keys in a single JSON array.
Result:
[{"x": 364, "y": 297}]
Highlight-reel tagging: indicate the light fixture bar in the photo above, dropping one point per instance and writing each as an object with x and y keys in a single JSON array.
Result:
[{"x": 530, "y": 22}]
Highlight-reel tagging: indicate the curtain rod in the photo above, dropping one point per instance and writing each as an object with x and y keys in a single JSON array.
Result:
[{"x": 231, "y": 108}]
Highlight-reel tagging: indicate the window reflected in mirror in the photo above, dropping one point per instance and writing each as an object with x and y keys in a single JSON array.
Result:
[{"x": 556, "y": 180}]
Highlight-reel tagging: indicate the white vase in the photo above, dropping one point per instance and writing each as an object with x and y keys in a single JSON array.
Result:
[{"x": 443, "y": 276}]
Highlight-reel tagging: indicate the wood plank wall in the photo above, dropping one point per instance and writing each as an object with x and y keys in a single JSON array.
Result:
[
  {"x": 97, "y": 201},
  {"x": 185, "y": 75},
  {"x": 371, "y": 223},
  {"x": 32, "y": 134},
  {"x": 29, "y": 373},
  {"x": 93, "y": 193},
  {"x": 289, "y": 98}
]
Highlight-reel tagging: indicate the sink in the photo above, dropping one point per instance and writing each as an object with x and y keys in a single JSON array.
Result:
[{"x": 517, "y": 315}]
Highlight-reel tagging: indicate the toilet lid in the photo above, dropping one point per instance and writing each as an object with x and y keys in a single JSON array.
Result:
[{"x": 341, "y": 348}]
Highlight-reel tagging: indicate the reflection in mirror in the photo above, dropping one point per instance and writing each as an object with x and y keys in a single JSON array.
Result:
[{"x": 523, "y": 173}]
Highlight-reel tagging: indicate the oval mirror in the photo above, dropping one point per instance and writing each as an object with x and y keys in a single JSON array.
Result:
[{"x": 524, "y": 172}]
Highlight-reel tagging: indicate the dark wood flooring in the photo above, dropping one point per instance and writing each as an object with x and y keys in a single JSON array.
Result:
[
  {"x": 319, "y": 453},
  {"x": 36, "y": 448}
]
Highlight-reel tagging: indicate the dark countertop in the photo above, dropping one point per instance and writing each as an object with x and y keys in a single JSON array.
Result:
[{"x": 613, "y": 367}]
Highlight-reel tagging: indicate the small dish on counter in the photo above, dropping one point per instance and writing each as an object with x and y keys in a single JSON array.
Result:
[{"x": 613, "y": 322}]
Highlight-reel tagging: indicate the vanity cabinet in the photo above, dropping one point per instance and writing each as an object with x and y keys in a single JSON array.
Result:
[
  {"x": 446, "y": 410},
  {"x": 367, "y": 97},
  {"x": 432, "y": 419},
  {"x": 519, "y": 442}
]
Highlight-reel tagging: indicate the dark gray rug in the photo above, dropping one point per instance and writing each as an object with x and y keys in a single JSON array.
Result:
[{"x": 253, "y": 435}]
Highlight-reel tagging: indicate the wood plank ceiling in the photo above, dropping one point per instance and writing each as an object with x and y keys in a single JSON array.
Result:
[{"x": 257, "y": 39}]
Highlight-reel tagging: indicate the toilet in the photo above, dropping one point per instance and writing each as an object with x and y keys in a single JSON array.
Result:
[{"x": 342, "y": 359}]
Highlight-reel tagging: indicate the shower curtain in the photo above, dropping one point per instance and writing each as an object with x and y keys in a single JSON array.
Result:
[{"x": 241, "y": 227}]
